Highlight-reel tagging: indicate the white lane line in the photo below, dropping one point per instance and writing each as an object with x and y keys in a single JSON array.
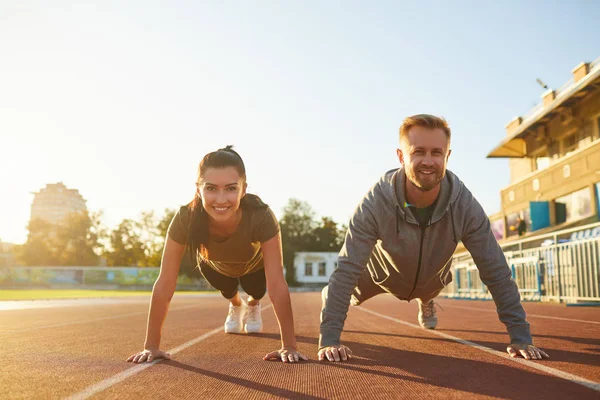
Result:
[
  {"x": 93, "y": 320},
  {"x": 16, "y": 305},
  {"x": 528, "y": 315},
  {"x": 531, "y": 364},
  {"x": 113, "y": 380}
]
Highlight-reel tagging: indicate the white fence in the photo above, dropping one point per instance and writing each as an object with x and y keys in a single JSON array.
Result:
[{"x": 566, "y": 270}]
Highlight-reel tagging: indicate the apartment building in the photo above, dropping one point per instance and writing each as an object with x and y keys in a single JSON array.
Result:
[{"x": 54, "y": 202}]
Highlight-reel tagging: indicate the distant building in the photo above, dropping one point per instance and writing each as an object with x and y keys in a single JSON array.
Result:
[
  {"x": 554, "y": 153},
  {"x": 315, "y": 267},
  {"x": 54, "y": 202}
]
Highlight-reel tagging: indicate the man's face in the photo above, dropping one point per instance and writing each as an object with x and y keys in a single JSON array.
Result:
[{"x": 424, "y": 154}]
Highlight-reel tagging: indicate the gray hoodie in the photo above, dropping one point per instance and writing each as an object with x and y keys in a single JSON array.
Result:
[{"x": 411, "y": 261}]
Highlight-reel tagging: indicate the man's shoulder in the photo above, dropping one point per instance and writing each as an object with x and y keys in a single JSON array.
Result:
[
  {"x": 386, "y": 180},
  {"x": 383, "y": 187},
  {"x": 389, "y": 175},
  {"x": 459, "y": 191},
  {"x": 379, "y": 197}
]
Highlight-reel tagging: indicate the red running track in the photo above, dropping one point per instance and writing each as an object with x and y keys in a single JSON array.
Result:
[{"x": 79, "y": 352}]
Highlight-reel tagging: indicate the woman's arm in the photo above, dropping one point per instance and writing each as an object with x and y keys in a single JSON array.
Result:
[
  {"x": 280, "y": 297},
  {"x": 162, "y": 292}
]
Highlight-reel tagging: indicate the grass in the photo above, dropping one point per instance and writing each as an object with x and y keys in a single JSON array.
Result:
[{"x": 47, "y": 294}]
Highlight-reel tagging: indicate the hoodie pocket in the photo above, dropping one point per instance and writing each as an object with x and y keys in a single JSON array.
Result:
[{"x": 395, "y": 285}]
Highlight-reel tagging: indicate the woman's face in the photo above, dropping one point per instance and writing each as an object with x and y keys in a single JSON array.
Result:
[{"x": 221, "y": 190}]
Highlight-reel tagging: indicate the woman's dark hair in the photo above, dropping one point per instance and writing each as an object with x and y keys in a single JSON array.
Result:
[{"x": 198, "y": 234}]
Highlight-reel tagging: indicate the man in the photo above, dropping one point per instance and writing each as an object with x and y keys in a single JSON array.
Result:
[
  {"x": 401, "y": 238},
  {"x": 522, "y": 226}
]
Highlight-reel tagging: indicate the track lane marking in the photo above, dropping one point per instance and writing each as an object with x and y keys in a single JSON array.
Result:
[
  {"x": 552, "y": 371},
  {"x": 93, "y": 320},
  {"x": 528, "y": 315},
  {"x": 113, "y": 380}
]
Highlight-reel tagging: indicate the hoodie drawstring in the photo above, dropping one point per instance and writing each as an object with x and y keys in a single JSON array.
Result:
[
  {"x": 453, "y": 230},
  {"x": 397, "y": 216}
]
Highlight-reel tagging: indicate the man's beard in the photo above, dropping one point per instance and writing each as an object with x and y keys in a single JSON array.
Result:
[{"x": 425, "y": 185}]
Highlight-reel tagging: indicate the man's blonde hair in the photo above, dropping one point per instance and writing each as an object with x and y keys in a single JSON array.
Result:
[{"x": 425, "y": 121}]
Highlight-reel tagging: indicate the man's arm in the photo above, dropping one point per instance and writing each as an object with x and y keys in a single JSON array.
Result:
[
  {"x": 495, "y": 273},
  {"x": 358, "y": 246}
]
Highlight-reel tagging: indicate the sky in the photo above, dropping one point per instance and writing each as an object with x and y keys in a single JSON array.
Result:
[{"x": 121, "y": 100}]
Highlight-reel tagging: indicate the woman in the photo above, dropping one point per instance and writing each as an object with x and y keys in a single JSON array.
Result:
[{"x": 235, "y": 238}]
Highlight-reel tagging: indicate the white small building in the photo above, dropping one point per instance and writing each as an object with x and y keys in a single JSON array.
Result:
[{"x": 315, "y": 267}]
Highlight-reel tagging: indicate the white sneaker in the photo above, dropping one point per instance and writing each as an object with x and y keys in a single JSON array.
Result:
[
  {"x": 427, "y": 316},
  {"x": 235, "y": 318},
  {"x": 253, "y": 319}
]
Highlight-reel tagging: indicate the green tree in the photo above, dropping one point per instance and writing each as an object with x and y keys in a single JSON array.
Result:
[
  {"x": 38, "y": 250},
  {"x": 139, "y": 242},
  {"x": 157, "y": 242},
  {"x": 77, "y": 240},
  {"x": 300, "y": 232},
  {"x": 297, "y": 225},
  {"x": 327, "y": 236},
  {"x": 151, "y": 239},
  {"x": 127, "y": 249},
  {"x": 98, "y": 232},
  {"x": 73, "y": 241}
]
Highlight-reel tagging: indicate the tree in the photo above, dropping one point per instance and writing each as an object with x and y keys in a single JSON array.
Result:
[
  {"x": 327, "y": 236},
  {"x": 38, "y": 250},
  {"x": 298, "y": 219},
  {"x": 139, "y": 242},
  {"x": 77, "y": 240},
  {"x": 73, "y": 241},
  {"x": 161, "y": 233},
  {"x": 297, "y": 225},
  {"x": 127, "y": 249},
  {"x": 98, "y": 231},
  {"x": 300, "y": 232},
  {"x": 152, "y": 238}
]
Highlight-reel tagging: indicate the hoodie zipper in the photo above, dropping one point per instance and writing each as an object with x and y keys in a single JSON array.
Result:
[{"x": 420, "y": 259}]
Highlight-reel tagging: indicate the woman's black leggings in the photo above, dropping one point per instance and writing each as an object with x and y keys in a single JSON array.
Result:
[{"x": 254, "y": 283}]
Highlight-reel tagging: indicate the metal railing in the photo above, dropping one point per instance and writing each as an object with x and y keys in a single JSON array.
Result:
[{"x": 562, "y": 270}]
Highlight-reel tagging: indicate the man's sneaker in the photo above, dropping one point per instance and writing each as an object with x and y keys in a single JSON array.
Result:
[
  {"x": 253, "y": 320},
  {"x": 427, "y": 317},
  {"x": 235, "y": 318}
]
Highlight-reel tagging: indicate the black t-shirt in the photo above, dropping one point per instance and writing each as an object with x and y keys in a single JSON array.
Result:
[{"x": 423, "y": 215}]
